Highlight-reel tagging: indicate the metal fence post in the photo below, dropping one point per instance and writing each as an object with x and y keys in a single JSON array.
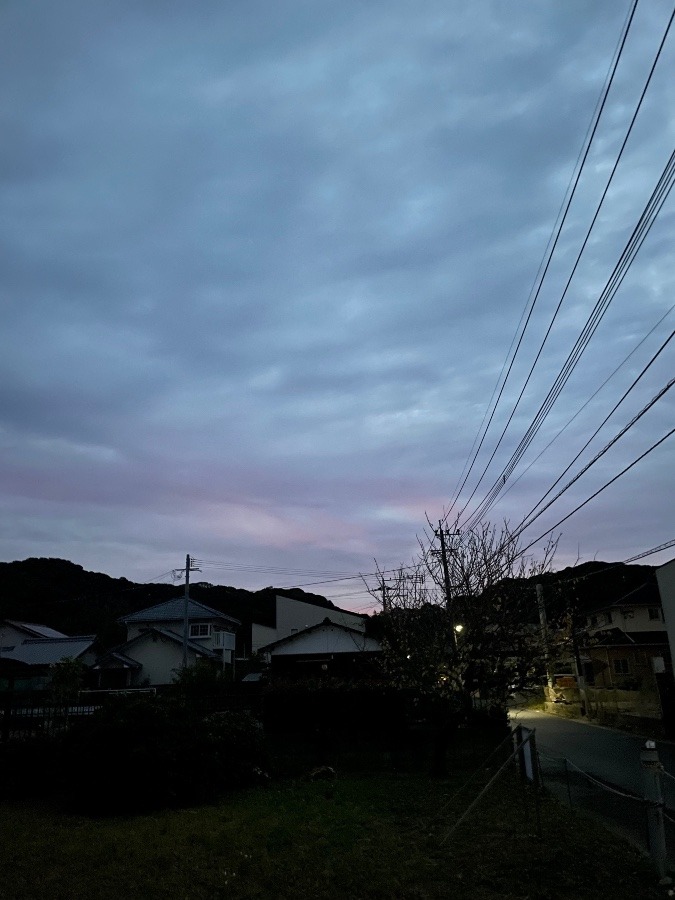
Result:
[{"x": 651, "y": 784}]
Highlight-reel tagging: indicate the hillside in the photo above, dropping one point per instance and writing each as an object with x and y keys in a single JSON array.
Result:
[{"x": 65, "y": 596}]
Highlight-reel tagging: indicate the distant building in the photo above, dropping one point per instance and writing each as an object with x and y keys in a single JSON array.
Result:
[
  {"x": 290, "y": 616},
  {"x": 28, "y": 651},
  {"x": 327, "y": 648},
  {"x": 154, "y": 650}
]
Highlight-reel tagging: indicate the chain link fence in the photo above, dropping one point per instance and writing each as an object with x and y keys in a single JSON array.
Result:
[{"x": 617, "y": 808}]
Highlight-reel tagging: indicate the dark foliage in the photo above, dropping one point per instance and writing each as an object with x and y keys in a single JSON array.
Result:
[{"x": 136, "y": 755}]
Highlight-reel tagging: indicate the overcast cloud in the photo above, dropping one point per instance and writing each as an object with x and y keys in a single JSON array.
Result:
[{"x": 262, "y": 263}]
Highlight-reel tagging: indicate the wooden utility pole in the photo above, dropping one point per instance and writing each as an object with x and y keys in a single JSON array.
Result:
[
  {"x": 385, "y": 598},
  {"x": 186, "y": 617},
  {"x": 446, "y": 582}
]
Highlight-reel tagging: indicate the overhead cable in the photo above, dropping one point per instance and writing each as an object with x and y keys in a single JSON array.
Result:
[
  {"x": 546, "y": 259},
  {"x": 637, "y": 238},
  {"x": 526, "y": 519},
  {"x": 600, "y": 490},
  {"x": 501, "y": 481},
  {"x": 526, "y": 524},
  {"x": 595, "y": 393}
]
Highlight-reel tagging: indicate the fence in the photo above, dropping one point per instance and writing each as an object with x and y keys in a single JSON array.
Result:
[{"x": 644, "y": 820}]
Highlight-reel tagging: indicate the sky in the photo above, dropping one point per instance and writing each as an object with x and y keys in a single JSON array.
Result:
[{"x": 262, "y": 264}]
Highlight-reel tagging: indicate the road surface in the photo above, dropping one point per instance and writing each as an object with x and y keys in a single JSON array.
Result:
[{"x": 612, "y": 758}]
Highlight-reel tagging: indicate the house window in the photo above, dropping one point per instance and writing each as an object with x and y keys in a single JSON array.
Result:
[
  {"x": 654, "y": 614},
  {"x": 200, "y": 630},
  {"x": 621, "y": 667},
  {"x": 609, "y": 618},
  {"x": 594, "y": 621}
]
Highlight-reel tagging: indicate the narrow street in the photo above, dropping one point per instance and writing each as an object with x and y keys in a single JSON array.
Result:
[{"x": 611, "y": 757}]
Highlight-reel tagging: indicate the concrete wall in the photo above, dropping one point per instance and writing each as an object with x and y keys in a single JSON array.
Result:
[
  {"x": 294, "y": 614},
  {"x": 261, "y": 635}
]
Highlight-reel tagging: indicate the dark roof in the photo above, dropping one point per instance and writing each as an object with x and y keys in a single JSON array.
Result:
[
  {"x": 302, "y": 632},
  {"x": 116, "y": 660},
  {"x": 174, "y": 610},
  {"x": 38, "y": 631},
  {"x": 615, "y": 637},
  {"x": 46, "y": 651}
]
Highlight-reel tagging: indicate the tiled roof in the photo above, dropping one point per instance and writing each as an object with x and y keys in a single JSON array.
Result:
[
  {"x": 46, "y": 651},
  {"x": 173, "y": 611},
  {"x": 37, "y": 630}
]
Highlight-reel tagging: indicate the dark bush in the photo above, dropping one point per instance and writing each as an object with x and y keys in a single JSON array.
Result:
[{"x": 135, "y": 755}]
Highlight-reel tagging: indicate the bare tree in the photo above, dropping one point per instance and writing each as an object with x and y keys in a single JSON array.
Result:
[{"x": 462, "y": 621}]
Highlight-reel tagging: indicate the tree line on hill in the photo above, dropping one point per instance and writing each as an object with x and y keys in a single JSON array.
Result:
[{"x": 64, "y": 596}]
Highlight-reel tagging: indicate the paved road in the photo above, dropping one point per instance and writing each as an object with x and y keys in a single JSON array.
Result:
[{"x": 612, "y": 755}]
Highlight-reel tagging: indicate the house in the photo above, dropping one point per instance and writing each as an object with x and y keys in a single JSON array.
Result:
[
  {"x": 157, "y": 646},
  {"x": 326, "y": 648},
  {"x": 28, "y": 651},
  {"x": 13, "y": 632},
  {"x": 625, "y": 642},
  {"x": 288, "y": 616},
  {"x": 624, "y": 657}
]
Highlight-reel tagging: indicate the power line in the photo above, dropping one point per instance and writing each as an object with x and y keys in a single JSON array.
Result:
[
  {"x": 524, "y": 524},
  {"x": 501, "y": 481},
  {"x": 666, "y": 546},
  {"x": 600, "y": 490},
  {"x": 548, "y": 253},
  {"x": 637, "y": 238},
  {"x": 584, "y": 405}
]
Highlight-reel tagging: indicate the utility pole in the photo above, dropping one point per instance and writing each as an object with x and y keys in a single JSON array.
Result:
[
  {"x": 544, "y": 632},
  {"x": 446, "y": 581},
  {"x": 186, "y": 618},
  {"x": 385, "y": 598}
]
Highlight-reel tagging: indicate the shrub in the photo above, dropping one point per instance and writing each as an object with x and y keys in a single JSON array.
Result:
[{"x": 135, "y": 755}]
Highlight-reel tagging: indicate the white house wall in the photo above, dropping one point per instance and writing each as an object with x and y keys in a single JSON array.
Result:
[
  {"x": 295, "y": 614},
  {"x": 209, "y": 643},
  {"x": 634, "y": 618},
  {"x": 160, "y": 658}
]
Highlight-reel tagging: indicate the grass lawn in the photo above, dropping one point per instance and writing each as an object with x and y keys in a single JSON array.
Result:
[{"x": 375, "y": 836}]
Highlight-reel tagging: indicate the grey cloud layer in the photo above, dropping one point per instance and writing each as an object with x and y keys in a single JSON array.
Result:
[{"x": 271, "y": 256}]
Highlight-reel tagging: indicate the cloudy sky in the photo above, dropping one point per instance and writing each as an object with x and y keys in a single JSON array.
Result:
[{"x": 262, "y": 264}]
